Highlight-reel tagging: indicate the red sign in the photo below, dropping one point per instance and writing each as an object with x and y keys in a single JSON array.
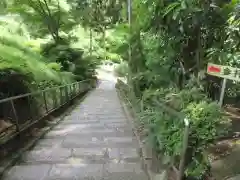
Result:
[{"x": 214, "y": 69}]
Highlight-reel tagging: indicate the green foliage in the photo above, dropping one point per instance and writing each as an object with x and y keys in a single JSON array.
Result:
[
  {"x": 62, "y": 53},
  {"x": 85, "y": 69},
  {"x": 49, "y": 59},
  {"x": 25, "y": 61},
  {"x": 44, "y": 17},
  {"x": 165, "y": 129},
  {"x": 99, "y": 14},
  {"x": 206, "y": 124},
  {"x": 71, "y": 59}
]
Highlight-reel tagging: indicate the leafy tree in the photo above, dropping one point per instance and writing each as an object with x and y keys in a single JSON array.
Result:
[{"x": 44, "y": 16}]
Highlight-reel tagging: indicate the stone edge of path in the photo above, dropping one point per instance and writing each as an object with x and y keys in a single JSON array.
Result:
[
  {"x": 12, "y": 160},
  {"x": 144, "y": 153}
]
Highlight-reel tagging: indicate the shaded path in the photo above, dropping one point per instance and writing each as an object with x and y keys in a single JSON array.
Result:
[{"x": 94, "y": 142}]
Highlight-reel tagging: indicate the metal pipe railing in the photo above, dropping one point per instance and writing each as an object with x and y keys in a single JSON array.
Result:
[
  {"x": 37, "y": 92},
  {"x": 27, "y": 109}
]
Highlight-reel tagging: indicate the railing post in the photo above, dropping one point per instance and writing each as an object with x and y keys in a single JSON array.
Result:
[
  {"x": 55, "y": 98},
  {"x": 70, "y": 91},
  {"x": 184, "y": 150},
  {"x": 66, "y": 94},
  {"x": 15, "y": 115},
  {"x": 79, "y": 88},
  {"x": 75, "y": 90},
  {"x": 84, "y": 87},
  {"x": 61, "y": 97},
  {"x": 45, "y": 101},
  {"x": 30, "y": 109}
]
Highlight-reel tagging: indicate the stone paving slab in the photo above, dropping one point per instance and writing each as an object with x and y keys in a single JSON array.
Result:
[
  {"x": 76, "y": 172},
  {"x": 80, "y": 127},
  {"x": 49, "y": 143},
  {"x": 89, "y": 152},
  {"x": 47, "y": 155},
  {"x": 108, "y": 154},
  {"x": 28, "y": 172},
  {"x": 124, "y": 171},
  {"x": 94, "y": 142}
]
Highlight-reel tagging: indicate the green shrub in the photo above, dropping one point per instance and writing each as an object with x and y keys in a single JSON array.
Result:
[
  {"x": 71, "y": 59},
  {"x": 62, "y": 53},
  {"x": 21, "y": 59},
  {"x": 164, "y": 129},
  {"x": 207, "y": 122}
]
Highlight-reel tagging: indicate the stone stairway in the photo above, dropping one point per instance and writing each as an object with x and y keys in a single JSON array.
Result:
[{"x": 93, "y": 142}]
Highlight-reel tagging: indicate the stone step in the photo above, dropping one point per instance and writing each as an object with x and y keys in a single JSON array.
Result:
[
  {"x": 97, "y": 133},
  {"x": 109, "y": 171},
  {"x": 111, "y": 142},
  {"x": 87, "y": 155},
  {"x": 91, "y": 127},
  {"x": 124, "y": 171},
  {"x": 94, "y": 142}
]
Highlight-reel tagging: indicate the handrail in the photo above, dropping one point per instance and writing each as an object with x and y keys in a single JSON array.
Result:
[
  {"x": 39, "y": 105},
  {"x": 38, "y": 92},
  {"x": 186, "y": 122}
]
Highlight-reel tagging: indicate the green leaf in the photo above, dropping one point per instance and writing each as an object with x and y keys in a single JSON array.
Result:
[{"x": 171, "y": 8}]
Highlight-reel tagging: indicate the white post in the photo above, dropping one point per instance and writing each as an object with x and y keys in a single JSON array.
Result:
[
  {"x": 222, "y": 92},
  {"x": 184, "y": 150}
]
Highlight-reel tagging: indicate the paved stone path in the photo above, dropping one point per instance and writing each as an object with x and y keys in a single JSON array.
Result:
[{"x": 94, "y": 142}]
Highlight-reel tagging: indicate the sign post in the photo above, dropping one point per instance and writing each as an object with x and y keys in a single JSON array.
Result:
[
  {"x": 222, "y": 92},
  {"x": 225, "y": 72}
]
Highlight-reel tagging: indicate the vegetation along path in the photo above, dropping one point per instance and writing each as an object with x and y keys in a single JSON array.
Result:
[{"x": 93, "y": 142}]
